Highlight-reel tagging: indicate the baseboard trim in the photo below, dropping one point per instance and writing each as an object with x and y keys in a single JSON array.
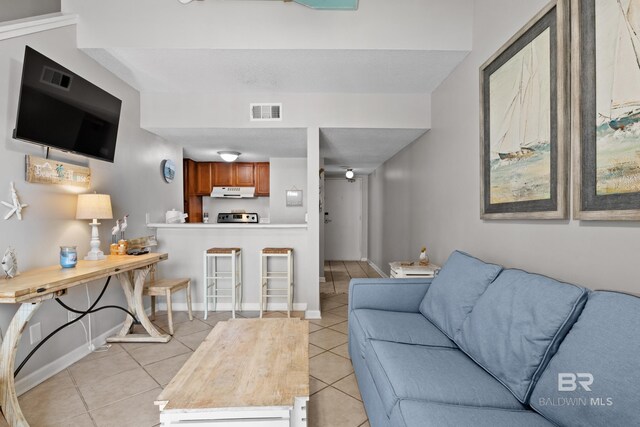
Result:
[
  {"x": 377, "y": 269},
  {"x": 45, "y": 372},
  {"x": 226, "y": 306},
  {"x": 312, "y": 314}
]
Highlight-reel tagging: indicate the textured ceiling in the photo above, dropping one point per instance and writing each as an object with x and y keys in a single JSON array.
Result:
[
  {"x": 255, "y": 144},
  {"x": 362, "y": 149},
  {"x": 266, "y": 71}
]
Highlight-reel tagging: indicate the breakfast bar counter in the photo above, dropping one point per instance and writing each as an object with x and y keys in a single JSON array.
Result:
[
  {"x": 229, "y": 225},
  {"x": 188, "y": 242}
]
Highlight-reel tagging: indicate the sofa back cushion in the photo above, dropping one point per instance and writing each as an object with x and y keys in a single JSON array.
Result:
[
  {"x": 455, "y": 290},
  {"x": 603, "y": 351},
  {"x": 516, "y": 326}
]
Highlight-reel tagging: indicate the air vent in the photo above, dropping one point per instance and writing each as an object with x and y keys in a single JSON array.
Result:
[
  {"x": 56, "y": 78},
  {"x": 266, "y": 112}
]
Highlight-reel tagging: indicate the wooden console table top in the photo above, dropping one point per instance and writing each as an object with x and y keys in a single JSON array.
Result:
[
  {"x": 244, "y": 363},
  {"x": 40, "y": 282}
]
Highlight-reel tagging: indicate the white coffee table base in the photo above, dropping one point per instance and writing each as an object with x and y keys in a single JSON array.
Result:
[{"x": 233, "y": 417}]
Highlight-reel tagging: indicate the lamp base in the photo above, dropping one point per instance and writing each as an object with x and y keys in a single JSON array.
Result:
[{"x": 95, "y": 256}]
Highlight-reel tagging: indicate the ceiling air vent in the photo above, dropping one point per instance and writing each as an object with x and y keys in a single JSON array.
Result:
[
  {"x": 266, "y": 112},
  {"x": 56, "y": 78}
]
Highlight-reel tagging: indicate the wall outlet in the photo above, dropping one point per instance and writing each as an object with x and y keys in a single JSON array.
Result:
[{"x": 35, "y": 333}]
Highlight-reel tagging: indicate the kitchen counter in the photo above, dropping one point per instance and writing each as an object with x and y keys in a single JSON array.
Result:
[
  {"x": 227, "y": 226},
  {"x": 186, "y": 244}
]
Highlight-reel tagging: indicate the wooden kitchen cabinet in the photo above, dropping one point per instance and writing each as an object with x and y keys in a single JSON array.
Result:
[
  {"x": 262, "y": 179},
  {"x": 222, "y": 174},
  {"x": 203, "y": 179},
  {"x": 193, "y": 207},
  {"x": 243, "y": 174},
  {"x": 190, "y": 177}
]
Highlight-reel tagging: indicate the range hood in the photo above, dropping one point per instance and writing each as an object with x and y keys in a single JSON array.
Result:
[{"x": 233, "y": 192}]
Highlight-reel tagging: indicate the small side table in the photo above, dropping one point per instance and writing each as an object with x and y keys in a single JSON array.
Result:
[{"x": 399, "y": 271}]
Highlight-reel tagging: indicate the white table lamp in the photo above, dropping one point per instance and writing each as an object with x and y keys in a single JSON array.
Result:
[{"x": 94, "y": 207}]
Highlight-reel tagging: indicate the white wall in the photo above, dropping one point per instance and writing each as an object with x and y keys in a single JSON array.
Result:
[
  {"x": 438, "y": 179},
  {"x": 205, "y": 110},
  {"x": 287, "y": 174},
  {"x": 133, "y": 181},
  {"x": 18, "y": 9},
  {"x": 378, "y": 24}
]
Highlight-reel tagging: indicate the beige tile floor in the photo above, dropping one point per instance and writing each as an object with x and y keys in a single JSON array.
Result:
[{"x": 116, "y": 388}]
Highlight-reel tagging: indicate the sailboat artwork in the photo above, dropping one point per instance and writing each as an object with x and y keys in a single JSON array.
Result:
[
  {"x": 520, "y": 117},
  {"x": 617, "y": 97}
]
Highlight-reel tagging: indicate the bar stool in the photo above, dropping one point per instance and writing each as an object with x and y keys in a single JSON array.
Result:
[
  {"x": 212, "y": 276},
  {"x": 266, "y": 276}
]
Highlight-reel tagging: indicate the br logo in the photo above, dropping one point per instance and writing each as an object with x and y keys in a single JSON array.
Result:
[{"x": 568, "y": 381}]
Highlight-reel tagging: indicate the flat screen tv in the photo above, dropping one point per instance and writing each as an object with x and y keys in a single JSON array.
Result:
[{"x": 60, "y": 109}]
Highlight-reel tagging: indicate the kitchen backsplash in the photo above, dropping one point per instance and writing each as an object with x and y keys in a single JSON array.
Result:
[{"x": 259, "y": 205}]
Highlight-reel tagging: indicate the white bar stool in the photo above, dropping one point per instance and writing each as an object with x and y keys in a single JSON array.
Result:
[
  {"x": 266, "y": 276},
  {"x": 212, "y": 276}
]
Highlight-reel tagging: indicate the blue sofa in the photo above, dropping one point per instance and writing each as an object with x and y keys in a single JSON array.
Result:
[{"x": 480, "y": 345}]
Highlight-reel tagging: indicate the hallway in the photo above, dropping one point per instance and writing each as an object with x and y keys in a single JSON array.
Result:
[{"x": 338, "y": 274}]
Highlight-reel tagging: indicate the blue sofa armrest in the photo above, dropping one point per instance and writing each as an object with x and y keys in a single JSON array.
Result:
[{"x": 388, "y": 294}]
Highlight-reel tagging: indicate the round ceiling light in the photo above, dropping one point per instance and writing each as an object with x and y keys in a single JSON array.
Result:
[
  {"x": 185, "y": 1},
  {"x": 229, "y": 156},
  {"x": 349, "y": 174}
]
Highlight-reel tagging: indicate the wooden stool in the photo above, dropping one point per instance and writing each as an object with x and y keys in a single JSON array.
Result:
[
  {"x": 212, "y": 276},
  {"x": 266, "y": 276},
  {"x": 164, "y": 288}
]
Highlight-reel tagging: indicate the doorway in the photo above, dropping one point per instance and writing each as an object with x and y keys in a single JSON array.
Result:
[{"x": 343, "y": 217}]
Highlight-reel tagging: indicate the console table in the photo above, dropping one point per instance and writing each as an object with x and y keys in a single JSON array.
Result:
[
  {"x": 33, "y": 287},
  {"x": 249, "y": 372},
  {"x": 398, "y": 270}
]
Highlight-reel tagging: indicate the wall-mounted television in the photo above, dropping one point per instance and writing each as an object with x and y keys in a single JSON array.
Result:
[{"x": 61, "y": 110}]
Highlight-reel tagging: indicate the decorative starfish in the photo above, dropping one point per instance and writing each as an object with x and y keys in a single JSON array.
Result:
[{"x": 15, "y": 205}]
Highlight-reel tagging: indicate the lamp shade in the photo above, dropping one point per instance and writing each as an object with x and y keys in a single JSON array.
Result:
[{"x": 94, "y": 206}]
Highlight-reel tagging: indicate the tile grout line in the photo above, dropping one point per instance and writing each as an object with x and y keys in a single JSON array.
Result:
[{"x": 75, "y": 384}]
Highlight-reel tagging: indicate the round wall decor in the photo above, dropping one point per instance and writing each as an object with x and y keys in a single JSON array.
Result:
[{"x": 168, "y": 170}]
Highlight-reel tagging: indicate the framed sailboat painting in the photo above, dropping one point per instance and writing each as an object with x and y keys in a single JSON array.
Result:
[
  {"x": 525, "y": 126},
  {"x": 606, "y": 109}
]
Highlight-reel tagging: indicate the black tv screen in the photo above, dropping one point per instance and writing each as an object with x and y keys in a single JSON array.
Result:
[{"x": 59, "y": 109}]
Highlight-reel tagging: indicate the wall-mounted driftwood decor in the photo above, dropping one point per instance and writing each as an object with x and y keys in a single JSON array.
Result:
[{"x": 47, "y": 171}]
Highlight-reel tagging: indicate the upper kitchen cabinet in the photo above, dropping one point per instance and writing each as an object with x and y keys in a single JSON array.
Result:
[
  {"x": 223, "y": 174},
  {"x": 262, "y": 179},
  {"x": 244, "y": 174},
  {"x": 203, "y": 179}
]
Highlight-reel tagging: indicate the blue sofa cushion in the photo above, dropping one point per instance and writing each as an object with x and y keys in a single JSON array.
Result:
[
  {"x": 516, "y": 326},
  {"x": 408, "y": 328},
  {"x": 410, "y": 413},
  {"x": 435, "y": 374},
  {"x": 455, "y": 290},
  {"x": 604, "y": 343}
]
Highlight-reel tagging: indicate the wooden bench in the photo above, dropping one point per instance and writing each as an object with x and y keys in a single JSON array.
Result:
[{"x": 164, "y": 288}]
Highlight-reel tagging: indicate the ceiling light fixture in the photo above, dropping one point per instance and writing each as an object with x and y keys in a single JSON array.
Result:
[
  {"x": 229, "y": 156},
  {"x": 349, "y": 174}
]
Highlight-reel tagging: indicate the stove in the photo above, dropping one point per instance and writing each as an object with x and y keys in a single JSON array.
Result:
[{"x": 237, "y": 218}]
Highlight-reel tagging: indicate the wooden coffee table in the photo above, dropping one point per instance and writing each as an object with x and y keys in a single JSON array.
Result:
[{"x": 249, "y": 372}]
